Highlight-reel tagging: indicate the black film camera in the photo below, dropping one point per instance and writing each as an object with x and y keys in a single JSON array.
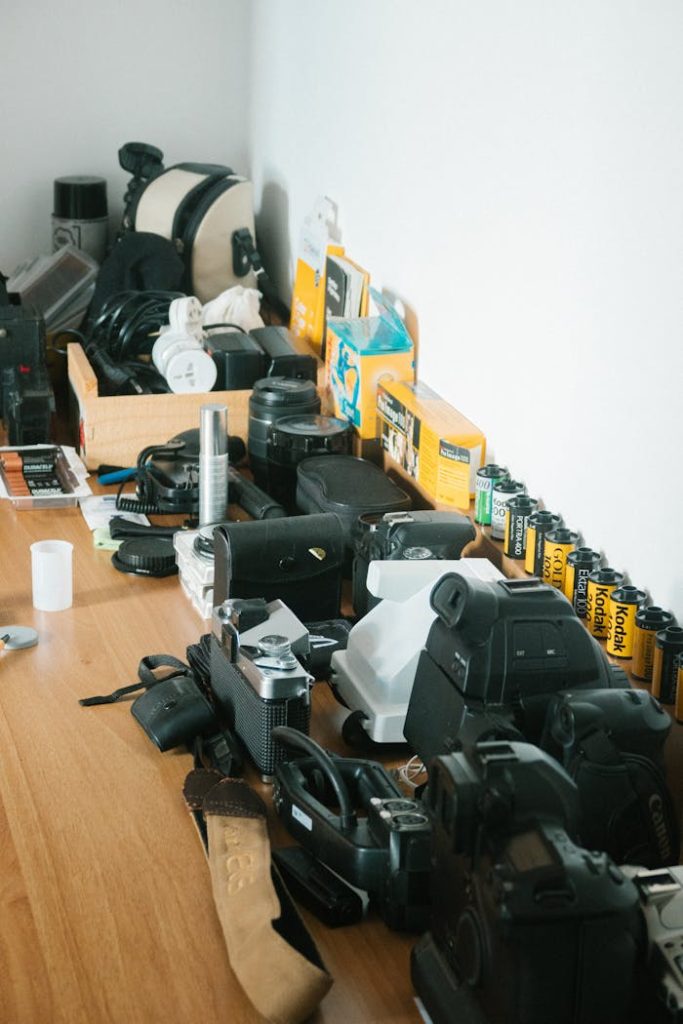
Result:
[
  {"x": 351, "y": 816},
  {"x": 526, "y": 926},
  {"x": 395, "y": 536}
]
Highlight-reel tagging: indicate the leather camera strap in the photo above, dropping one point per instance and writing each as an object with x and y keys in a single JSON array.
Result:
[
  {"x": 145, "y": 675},
  {"x": 270, "y": 950}
]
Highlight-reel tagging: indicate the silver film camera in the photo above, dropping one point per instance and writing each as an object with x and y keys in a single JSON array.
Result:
[{"x": 257, "y": 677}]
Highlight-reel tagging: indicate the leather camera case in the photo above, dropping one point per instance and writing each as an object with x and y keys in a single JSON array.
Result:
[
  {"x": 298, "y": 560},
  {"x": 173, "y": 711}
]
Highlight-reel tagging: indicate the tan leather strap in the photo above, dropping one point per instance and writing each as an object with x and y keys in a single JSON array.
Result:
[{"x": 269, "y": 947}]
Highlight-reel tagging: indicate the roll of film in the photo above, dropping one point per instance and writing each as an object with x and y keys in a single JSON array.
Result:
[
  {"x": 213, "y": 463},
  {"x": 580, "y": 563},
  {"x": 624, "y": 603},
  {"x": 668, "y": 645},
  {"x": 601, "y": 583},
  {"x": 558, "y": 544},
  {"x": 517, "y": 512},
  {"x": 649, "y": 621},
  {"x": 540, "y": 523},
  {"x": 679, "y": 687},
  {"x": 502, "y": 492},
  {"x": 486, "y": 479}
]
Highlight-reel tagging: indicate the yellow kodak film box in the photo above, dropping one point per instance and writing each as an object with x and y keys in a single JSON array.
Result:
[
  {"x": 433, "y": 443},
  {"x": 359, "y": 353}
]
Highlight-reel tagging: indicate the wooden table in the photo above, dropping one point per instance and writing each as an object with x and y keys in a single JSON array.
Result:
[{"x": 106, "y": 909}]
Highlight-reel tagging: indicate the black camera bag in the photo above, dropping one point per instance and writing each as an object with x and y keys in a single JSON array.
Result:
[
  {"x": 298, "y": 560},
  {"x": 348, "y": 487}
]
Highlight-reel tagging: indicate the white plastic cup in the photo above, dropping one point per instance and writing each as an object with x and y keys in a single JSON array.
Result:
[{"x": 52, "y": 575}]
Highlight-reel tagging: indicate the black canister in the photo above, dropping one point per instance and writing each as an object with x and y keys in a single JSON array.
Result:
[
  {"x": 272, "y": 399},
  {"x": 295, "y": 438},
  {"x": 80, "y": 214}
]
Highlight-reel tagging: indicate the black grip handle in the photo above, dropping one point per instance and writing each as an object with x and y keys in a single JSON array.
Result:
[{"x": 252, "y": 499}]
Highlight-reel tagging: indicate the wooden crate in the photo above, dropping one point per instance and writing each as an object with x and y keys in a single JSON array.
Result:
[{"x": 113, "y": 430}]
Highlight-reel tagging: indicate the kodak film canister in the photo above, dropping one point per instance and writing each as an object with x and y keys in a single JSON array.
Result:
[
  {"x": 679, "y": 688},
  {"x": 624, "y": 603},
  {"x": 648, "y": 622},
  {"x": 668, "y": 645},
  {"x": 502, "y": 492},
  {"x": 558, "y": 544},
  {"x": 601, "y": 583},
  {"x": 580, "y": 564},
  {"x": 540, "y": 523},
  {"x": 517, "y": 512},
  {"x": 486, "y": 479}
]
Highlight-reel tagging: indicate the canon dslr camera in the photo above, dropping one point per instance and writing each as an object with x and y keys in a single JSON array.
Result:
[{"x": 526, "y": 926}]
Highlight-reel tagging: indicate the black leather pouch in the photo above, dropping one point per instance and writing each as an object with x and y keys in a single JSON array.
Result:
[
  {"x": 298, "y": 560},
  {"x": 173, "y": 712},
  {"x": 347, "y": 486}
]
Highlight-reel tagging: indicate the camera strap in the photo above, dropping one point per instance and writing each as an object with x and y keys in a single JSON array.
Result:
[
  {"x": 270, "y": 950},
  {"x": 146, "y": 678},
  {"x": 627, "y": 806}
]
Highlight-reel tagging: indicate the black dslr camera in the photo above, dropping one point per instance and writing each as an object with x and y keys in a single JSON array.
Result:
[
  {"x": 397, "y": 536},
  {"x": 494, "y": 646},
  {"x": 351, "y": 816},
  {"x": 511, "y": 660},
  {"x": 526, "y": 926}
]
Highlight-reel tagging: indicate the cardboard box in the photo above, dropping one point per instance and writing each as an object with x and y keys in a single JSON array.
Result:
[
  {"x": 115, "y": 429},
  {"x": 361, "y": 352},
  {"x": 431, "y": 441}
]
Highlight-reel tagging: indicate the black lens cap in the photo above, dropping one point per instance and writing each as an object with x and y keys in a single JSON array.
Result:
[{"x": 146, "y": 556}]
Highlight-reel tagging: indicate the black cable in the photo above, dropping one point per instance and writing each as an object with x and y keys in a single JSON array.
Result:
[
  {"x": 67, "y": 332},
  {"x": 234, "y": 327},
  {"x": 296, "y": 740}
]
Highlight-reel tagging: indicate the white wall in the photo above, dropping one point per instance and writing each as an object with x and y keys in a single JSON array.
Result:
[
  {"x": 514, "y": 171},
  {"x": 78, "y": 79}
]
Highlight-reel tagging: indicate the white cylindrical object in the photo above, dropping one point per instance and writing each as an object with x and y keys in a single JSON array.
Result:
[
  {"x": 181, "y": 359},
  {"x": 213, "y": 464},
  {"x": 51, "y": 575}
]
